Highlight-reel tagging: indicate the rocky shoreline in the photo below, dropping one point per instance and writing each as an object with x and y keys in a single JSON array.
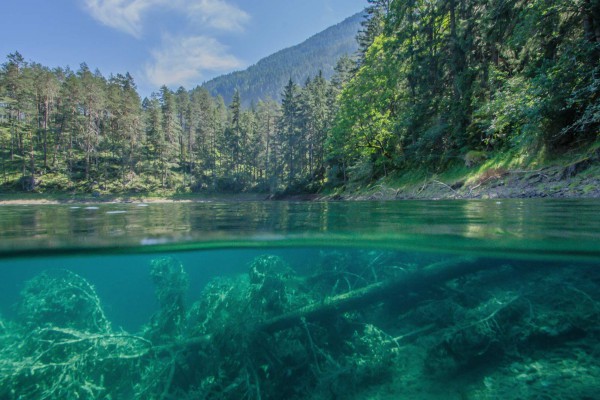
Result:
[{"x": 577, "y": 180}]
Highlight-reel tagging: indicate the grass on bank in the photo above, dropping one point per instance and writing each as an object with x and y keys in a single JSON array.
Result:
[{"x": 458, "y": 174}]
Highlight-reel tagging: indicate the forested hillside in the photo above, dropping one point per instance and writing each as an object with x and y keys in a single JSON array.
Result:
[
  {"x": 265, "y": 79},
  {"x": 450, "y": 80},
  {"x": 436, "y": 84}
]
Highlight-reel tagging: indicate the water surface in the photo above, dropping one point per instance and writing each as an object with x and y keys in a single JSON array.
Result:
[
  {"x": 554, "y": 228},
  {"x": 295, "y": 300}
]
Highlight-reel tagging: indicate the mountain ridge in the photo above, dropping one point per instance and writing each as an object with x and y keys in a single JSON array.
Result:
[{"x": 266, "y": 78}]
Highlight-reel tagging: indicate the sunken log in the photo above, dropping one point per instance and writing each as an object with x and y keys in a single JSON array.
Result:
[
  {"x": 406, "y": 284},
  {"x": 409, "y": 282}
]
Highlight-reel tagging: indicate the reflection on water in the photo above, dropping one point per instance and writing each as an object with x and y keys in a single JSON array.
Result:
[{"x": 524, "y": 225}]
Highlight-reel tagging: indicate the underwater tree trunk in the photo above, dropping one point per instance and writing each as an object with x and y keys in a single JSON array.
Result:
[
  {"x": 411, "y": 282},
  {"x": 431, "y": 275}
]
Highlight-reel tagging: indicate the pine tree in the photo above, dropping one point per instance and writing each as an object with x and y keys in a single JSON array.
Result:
[
  {"x": 288, "y": 130},
  {"x": 92, "y": 103},
  {"x": 172, "y": 132}
]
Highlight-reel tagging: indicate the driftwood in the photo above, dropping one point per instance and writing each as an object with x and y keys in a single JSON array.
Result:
[{"x": 429, "y": 276}]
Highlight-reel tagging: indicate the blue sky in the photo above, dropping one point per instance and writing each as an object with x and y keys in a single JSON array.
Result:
[{"x": 172, "y": 42}]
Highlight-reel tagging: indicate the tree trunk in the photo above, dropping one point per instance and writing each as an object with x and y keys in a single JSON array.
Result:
[
  {"x": 409, "y": 283},
  {"x": 267, "y": 149},
  {"x": 3, "y": 149},
  {"x": 46, "y": 120},
  {"x": 32, "y": 163},
  {"x": 406, "y": 285},
  {"x": 590, "y": 11}
]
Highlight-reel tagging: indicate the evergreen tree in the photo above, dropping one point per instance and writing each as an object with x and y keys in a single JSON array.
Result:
[
  {"x": 197, "y": 132},
  {"x": 18, "y": 84},
  {"x": 92, "y": 103},
  {"x": 288, "y": 131},
  {"x": 267, "y": 116},
  {"x": 344, "y": 71},
  {"x": 156, "y": 140},
  {"x": 172, "y": 133},
  {"x": 124, "y": 124},
  {"x": 372, "y": 25},
  {"x": 47, "y": 89},
  {"x": 231, "y": 138}
]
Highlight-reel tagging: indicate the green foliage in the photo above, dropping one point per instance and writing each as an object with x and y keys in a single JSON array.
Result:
[
  {"x": 434, "y": 81},
  {"x": 447, "y": 77},
  {"x": 363, "y": 128},
  {"x": 79, "y": 132}
]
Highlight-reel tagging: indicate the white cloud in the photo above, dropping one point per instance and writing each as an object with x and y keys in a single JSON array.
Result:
[
  {"x": 218, "y": 14},
  {"x": 181, "y": 61},
  {"x": 123, "y": 15},
  {"x": 184, "y": 56},
  {"x": 127, "y": 15}
]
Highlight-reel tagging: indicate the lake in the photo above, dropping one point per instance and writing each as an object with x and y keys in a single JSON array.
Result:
[{"x": 301, "y": 300}]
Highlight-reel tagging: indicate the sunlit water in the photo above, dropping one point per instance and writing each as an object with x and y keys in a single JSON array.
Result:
[{"x": 453, "y": 299}]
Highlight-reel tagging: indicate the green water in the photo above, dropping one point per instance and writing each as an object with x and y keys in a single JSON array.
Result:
[{"x": 284, "y": 300}]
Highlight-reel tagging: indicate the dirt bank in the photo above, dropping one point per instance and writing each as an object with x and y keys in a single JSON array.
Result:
[{"x": 577, "y": 180}]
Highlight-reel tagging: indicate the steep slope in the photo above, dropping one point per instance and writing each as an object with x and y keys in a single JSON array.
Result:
[{"x": 267, "y": 78}]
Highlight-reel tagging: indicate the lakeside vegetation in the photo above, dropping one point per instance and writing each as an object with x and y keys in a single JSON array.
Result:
[
  {"x": 81, "y": 132},
  {"x": 437, "y": 85}
]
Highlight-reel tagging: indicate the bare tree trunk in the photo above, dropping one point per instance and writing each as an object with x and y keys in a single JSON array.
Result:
[
  {"x": 46, "y": 118},
  {"x": 32, "y": 162},
  {"x": 406, "y": 285},
  {"x": 3, "y": 149},
  {"x": 411, "y": 282}
]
